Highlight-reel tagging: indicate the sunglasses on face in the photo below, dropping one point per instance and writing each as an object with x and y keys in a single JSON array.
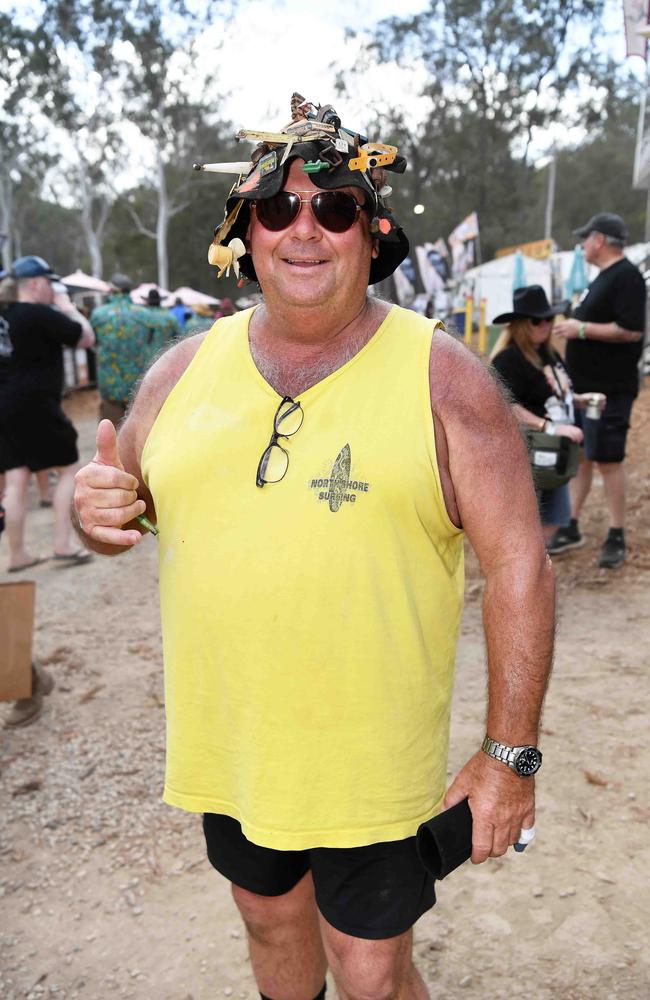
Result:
[
  {"x": 537, "y": 321},
  {"x": 335, "y": 211}
]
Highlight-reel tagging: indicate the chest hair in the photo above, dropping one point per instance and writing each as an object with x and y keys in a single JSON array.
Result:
[
  {"x": 291, "y": 376},
  {"x": 290, "y": 379}
]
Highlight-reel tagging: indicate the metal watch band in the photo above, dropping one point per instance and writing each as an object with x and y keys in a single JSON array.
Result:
[
  {"x": 500, "y": 751},
  {"x": 524, "y": 760}
]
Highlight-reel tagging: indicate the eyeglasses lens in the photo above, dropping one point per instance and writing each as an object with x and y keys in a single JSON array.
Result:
[
  {"x": 288, "y": 419},
  {"x": 335, "y": 211},
  {"x": 273, "y": 464}
]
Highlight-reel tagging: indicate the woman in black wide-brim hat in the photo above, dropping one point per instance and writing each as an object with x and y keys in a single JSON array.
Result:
[{"x": 532, "y": 369}]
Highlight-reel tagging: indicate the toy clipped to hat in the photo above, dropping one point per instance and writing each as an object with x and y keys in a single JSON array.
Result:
[{"x": 334, "y": 157}]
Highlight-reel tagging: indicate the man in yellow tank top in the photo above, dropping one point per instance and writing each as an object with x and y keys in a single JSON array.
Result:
[{"x": 312, "y": 466}]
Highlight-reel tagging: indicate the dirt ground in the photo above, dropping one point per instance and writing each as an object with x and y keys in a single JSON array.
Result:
[{"x": 107, "y": 892}]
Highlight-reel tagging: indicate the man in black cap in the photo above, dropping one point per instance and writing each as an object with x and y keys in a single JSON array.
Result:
[
  {"x": 604, "y": 345},
  {"x": 35, "y": 433},
  {"x": 312, "y": 464}
]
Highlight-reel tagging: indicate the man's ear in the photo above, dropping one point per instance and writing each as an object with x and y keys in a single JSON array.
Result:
[{"x": 374, "y": 253}]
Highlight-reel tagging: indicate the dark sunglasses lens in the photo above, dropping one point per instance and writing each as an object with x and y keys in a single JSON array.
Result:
[
  {"x": 335, "y": 211},
  {"x": 538, "y": 322},
  {"x": 278, "y": 212}
]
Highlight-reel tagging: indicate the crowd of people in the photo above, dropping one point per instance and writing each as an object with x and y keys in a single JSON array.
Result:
[
  {"x": 310, "y": 633},
  {"x": 603, "y": 340}
]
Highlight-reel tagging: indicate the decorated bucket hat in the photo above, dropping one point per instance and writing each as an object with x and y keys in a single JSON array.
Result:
[{"x": 334, "y": 157}]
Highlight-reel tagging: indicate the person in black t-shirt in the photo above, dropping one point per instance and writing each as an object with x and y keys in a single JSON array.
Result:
[
  {"x": 35, "y": 433},
  {"x": 604, "y": 345}
]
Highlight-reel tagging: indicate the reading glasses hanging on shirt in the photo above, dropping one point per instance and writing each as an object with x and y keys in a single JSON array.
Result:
[{"x": 274, "y": 462}]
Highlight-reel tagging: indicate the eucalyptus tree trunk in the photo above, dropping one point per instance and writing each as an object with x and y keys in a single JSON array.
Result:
[
  {"x": 162, "y": 227},
  {"x": 94, "y": 211},
  {"x": 6, "y": 207}
]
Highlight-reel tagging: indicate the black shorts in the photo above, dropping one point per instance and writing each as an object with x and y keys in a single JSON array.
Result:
[
  {"x": 605, "y": 438},
  {"x": 372, "y": 892},
  {"x": 37, "y": 435}
]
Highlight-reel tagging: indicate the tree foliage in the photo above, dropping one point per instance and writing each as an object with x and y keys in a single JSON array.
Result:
[
  {"x": 596, "y": 176},
  {"x": 498, "y": 73},
  {"x": 133, "y": 60}
]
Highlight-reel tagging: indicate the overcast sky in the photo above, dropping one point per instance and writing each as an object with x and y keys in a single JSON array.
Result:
[{"x": 273, "y": 49}]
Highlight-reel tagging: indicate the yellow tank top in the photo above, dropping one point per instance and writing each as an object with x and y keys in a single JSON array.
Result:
[{"x": 310, "y": 626}]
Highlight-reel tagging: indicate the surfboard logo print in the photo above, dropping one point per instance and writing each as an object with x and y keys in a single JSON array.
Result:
[
  {"x": 338, "y": 488},
  {"x": 340, "y": 478}
]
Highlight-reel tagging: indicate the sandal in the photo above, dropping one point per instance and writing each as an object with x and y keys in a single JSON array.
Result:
[
  {"x": 28, "y": 565},
  {"x": 78, "y": 558}
]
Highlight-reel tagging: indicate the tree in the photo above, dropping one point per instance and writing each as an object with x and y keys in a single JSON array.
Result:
[
  {"x": 168, "y": 117},
  {"x": 150, "y": 69},
  {"x": 497, "y": 74},
  {"x": 597, "y": 175},
  {"x": 29, "y": 89}
]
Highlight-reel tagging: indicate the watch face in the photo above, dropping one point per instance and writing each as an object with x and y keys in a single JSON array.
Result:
[{"x": 528, "y": 761}]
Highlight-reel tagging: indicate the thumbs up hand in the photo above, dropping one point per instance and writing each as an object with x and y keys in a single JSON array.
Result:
[
  {"x": 105, "y": 497},
  {"x": 107, "y": 450}
]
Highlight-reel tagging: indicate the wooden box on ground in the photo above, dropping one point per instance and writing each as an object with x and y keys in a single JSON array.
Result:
[{"x": 16, "y": 630}]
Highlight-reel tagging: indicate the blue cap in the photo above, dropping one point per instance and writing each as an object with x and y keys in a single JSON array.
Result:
[{"x": 32, "y": 267}]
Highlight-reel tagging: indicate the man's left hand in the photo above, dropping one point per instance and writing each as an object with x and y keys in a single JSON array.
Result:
[
  {"x": 501, "y": 802},
  {"x": 568, "y": 328}
]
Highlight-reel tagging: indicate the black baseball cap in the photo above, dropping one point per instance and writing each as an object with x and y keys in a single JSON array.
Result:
[
  {"x": 32, "y": 267},
  {"x": 606, "y": 223}
]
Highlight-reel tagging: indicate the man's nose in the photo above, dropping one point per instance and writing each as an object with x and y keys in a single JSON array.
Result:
[{"x": 305, "y": 226}]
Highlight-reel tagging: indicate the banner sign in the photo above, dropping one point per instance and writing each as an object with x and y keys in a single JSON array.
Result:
[
  {"x": 539, "y": 249},
  {"x": 461, "y": 241},
  {"x": 405, "y": 281},
  {"x": 433, "y": 261}
]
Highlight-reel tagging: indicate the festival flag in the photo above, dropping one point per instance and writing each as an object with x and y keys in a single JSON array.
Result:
[
  {"x": 636, "y": 14},
  {"x": 405, "y": 281},
  {"x": 433, "y": 261},
  {"x": 461, "y": 241}
]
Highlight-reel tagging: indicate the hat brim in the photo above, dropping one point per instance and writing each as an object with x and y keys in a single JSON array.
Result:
[
  {"x": 585, "y": 231},
  {"x": 547, "y": 314}
]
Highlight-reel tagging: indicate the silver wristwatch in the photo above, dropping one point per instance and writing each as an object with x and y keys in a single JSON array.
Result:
[{"x": 524, "y": 761}]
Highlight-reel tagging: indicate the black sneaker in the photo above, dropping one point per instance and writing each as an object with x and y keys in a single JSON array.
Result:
[
  {"x": 613, "y": 554},
  {"x": 565, "y": 539}
]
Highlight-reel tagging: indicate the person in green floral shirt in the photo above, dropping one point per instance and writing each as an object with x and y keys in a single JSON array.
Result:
[
  {"x": 127, "y": 338},
  {"x": 164, "y": 324}
]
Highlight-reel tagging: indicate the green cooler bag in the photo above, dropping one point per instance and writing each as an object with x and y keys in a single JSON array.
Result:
[{"x": 554, "y": 459}]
